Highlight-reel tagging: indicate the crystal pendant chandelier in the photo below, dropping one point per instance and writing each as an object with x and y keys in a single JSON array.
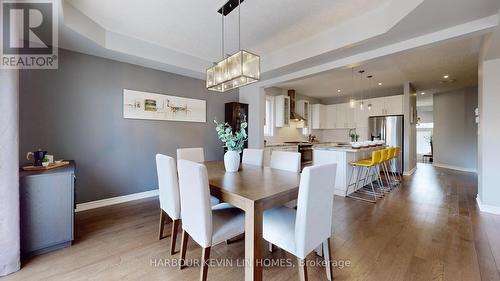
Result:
[
  {"x": 234, "y": 71},
  {"x": 361, "y": 103}
]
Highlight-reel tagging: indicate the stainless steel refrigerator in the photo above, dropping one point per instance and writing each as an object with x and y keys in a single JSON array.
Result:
[{"x": 391, "y": 130}]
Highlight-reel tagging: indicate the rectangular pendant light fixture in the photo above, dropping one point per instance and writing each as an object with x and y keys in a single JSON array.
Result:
[{"x": 242, "y": 68}]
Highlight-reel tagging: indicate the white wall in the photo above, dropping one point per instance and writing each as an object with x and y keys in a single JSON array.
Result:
[
  {"x": 489, "y": 128},
  {"x": 455, "y": 129},
  {"x": 9, "y": 172},
  {"x": 410, "y": 129},
  {"x": 255, "y": 97},
  {"x": 426, "y": 116},
  {"x": 489, "y": 134}
]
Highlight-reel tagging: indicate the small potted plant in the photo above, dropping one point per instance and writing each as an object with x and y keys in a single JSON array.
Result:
[{"x": 233, "y": 142}]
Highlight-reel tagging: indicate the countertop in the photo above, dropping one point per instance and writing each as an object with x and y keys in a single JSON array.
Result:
[
  {"x": 70, "y": 168},
  {"x": 347, "y": 149},
  {"x": 291, "y": 144}
]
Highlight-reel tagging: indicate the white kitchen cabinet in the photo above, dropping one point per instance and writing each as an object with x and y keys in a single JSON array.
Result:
[
  {"x": 345, "y": 116},
  {"x": 331, "y": 116},
  {"x": 318, "y": 116},
  {"x": 339, "y": 116},
  {"x": 361, "y": 116},
  {"x": 282, "y": 109},
  {"x": 392, "y": 105},
  {"x": 303, "y": 109}
]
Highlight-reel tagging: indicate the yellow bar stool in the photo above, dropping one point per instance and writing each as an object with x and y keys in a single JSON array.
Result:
[
  {"x": 386, "y": 154},
  {"x": 392, "y": 153},
  {"x": 361, "y": 166},
  {"x": 397, "y": 154}
]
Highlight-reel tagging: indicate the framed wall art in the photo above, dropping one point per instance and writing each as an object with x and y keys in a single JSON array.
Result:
[{"x": 153, "y": 106}]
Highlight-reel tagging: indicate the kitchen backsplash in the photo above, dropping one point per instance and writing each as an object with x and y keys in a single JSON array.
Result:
[{"x": 292, "y": 133}]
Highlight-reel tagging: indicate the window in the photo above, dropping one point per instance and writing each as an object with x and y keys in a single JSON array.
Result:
[{"x": 269, "y": 120}]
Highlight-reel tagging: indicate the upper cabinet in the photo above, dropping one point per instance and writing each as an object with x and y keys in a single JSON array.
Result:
[
  {"x": 282, "y": 109},
  {"x": 318, "y": 116},
  {"x": 343, "y": 116},
  {"x": 331, "y": 116},
  {"x": 302, "y": 108},
  {"x": 392, "y": 105}
]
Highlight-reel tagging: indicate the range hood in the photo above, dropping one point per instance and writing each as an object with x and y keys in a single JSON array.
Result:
[{"x": 294, "y": 115}]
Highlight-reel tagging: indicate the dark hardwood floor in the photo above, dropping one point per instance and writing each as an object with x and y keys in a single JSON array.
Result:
[{"x": 429, "y": 229}]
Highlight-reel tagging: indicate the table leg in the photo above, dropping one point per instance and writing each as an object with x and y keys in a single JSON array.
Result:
[{"x": 253, "y": 242}]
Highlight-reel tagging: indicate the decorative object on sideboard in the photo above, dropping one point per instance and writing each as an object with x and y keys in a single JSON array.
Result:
[
  {"x": 38, "y": 156},
  {"x": 240, "y": 69},
  {"x": 151, "y": 106},
  {"x": 234, "y": 143}
]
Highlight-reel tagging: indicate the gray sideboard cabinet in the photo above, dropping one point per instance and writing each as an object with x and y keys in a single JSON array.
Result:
[{"x": 47, "y": 209}]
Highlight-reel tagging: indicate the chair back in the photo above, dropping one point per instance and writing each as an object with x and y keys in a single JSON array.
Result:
[
  {"x": 392, "y": 153},
  {"x": 253, "y": 156},
  {"x": 192, "y": 154},
  {"x": 397, "y": 151},
  {"x": 168, "y": 186},
  {"x": 196, "y": 210},
  {"x": 376, "y": 157},
  {"x": 385, "y": 154},
  {"x": 284, "y": 160},
  {"x": 313, "y": 223}
]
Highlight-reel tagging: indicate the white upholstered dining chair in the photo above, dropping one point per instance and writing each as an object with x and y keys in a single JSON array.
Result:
[
  {"x": 301, "y": 231},
  {"x": 285, "y": 160},
  {"x": 195, "y": 154},
  {"x": 170, "y": 204},
  {"x": 207, "y": 226},
  {"x": 253, "y": 156}
]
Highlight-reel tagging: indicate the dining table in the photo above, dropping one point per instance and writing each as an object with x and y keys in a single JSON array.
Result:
[{"x": 253, "y": 189}]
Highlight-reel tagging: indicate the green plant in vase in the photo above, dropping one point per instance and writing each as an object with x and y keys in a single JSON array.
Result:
[{"x": 233, "y": 141}]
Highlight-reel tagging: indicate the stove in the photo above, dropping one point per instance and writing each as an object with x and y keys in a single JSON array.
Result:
[{"x": 306, "y": 152}]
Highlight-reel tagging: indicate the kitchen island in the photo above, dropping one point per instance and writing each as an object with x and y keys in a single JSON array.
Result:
[{"x": 342, "y": 156}]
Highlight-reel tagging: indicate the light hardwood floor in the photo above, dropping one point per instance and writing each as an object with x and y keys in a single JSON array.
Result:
[{"x": 430, "y": 229}]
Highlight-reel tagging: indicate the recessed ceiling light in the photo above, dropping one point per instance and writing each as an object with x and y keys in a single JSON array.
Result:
[
  {"x": 338, "y": 91},
  {"x": 446, "y": 76},
  {"x": 423, "y": 93},
  {"x": 380, "y": 83}
]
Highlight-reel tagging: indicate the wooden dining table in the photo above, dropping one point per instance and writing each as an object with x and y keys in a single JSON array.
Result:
[{"x": 253, "y": 189}]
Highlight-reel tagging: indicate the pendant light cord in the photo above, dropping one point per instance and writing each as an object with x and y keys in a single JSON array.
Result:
[
  {"x": 222, "y": 32},
  {"x": 239, "y": 25}
]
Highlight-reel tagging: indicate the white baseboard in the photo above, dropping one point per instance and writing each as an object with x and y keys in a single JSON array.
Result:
[
  {"x": 410, "y": 172},
  {"x": 454, "y": 168},
  {"x": 115, "y": 200},
  {"x": 487, "y": 208}
]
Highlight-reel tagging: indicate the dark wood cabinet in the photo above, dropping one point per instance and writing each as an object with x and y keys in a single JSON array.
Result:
[{"x": 234, "y": 114}]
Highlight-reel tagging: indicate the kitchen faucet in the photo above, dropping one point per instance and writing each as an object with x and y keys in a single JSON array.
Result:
[{"x": 352, "y": 134}]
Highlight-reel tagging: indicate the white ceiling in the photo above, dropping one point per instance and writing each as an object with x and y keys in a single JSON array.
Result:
[
  {"x": 290, "y": 35},
  {"x": 194, "y": 28},
  {"x": 424, "y": 67}
]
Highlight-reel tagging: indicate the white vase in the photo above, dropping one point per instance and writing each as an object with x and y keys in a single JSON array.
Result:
[{"x": 232, "y": 161}]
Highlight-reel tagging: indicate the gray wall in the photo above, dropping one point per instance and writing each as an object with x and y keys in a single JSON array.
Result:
[
  {"x": 9, "y": 172},
  {"x": 75, "y": 112},
  {"x": 425, "y": 116},
  {"x": 455, "y": 130}
]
